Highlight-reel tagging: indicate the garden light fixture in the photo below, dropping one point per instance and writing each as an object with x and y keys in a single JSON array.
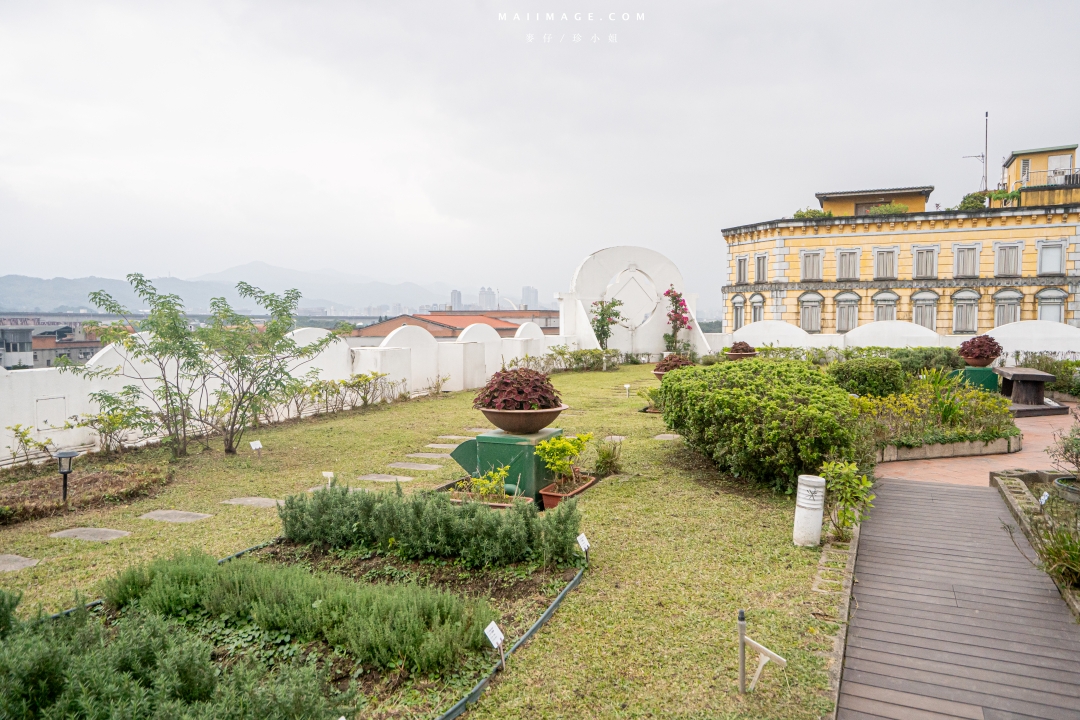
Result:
[
  {"x": 63, "y": 459},
  {"x": 627, "y": 386}
]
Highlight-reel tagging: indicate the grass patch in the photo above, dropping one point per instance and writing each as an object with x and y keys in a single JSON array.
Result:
[{"x": 677, "y": 549}]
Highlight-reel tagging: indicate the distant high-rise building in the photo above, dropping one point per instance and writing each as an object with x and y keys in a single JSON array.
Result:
[
  {"x": 455, "y": 300},
  {"x": 487, "y": 299},
  {"x": 530, "y": 298}
]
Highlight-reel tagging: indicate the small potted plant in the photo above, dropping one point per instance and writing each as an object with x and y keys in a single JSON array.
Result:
[
  {"x": 489, "y": 489},
  {"x": 519, "y": 401},
  {"x": 669, "y": 363},
  {"x": 740, "y": 351},
  {"x": 558, "y": 455},
  {"x": 980, "y": 350}
]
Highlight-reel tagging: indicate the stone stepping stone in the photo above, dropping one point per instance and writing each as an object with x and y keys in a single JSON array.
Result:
[
  {"x": 667, "y": 436},
  {"x": 442, "y": 446},
  {"x": 91, "y": 534},
  {"x": 12, "y": 563},
  {"x": 455, "y": 437},
  {"x": 615, "y": 438},
  {"x": 252, "y": 502},
  {"x": 430, "y": 456},
  {"x": 381, "y": 477},
  {"x": 415, "y": 466},
  {"x": 174, "y": 516}
]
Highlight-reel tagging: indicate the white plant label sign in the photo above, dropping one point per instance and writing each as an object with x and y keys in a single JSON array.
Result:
[
  {"x": 328, "y": 475},
  {"x": 494, "y": 634},
  {"x": 256, "y": 445},
  {"x": 583, "y": 542},
  {"x": 1044, "y": 498}
]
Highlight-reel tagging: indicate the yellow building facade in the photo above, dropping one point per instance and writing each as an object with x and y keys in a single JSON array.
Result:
[{"x": 957, "y": 273}]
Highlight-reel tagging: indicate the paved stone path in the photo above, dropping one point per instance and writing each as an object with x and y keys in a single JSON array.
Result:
[
  {"x": 381, "y": 477},
  {"x": 1038, "y": 435},
  {"x": 174, "y": 516},
  {"x": 259, "y": 502},
  {"x": 91, "y": 534},
  {"x": 455, "y": 437},
  {"x": 442, "y": 446},
  {"x": 12, "y": 563},
  {"x": 667, "y": 436},
  {"x": 430, "y": 456},
  {"x": 415, "y": 466},
  {"x": 615, "y": 438},
  {"x": 950, "y": 620}
]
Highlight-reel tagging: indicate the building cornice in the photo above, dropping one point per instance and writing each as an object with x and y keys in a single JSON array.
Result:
[{"x": 943, "y": 283}]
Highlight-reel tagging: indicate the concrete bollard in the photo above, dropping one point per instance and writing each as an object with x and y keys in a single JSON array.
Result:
[{"x": 809, "y": 508}]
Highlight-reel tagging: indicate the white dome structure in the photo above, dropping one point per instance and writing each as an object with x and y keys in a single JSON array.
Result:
[
  {"x": 1036, "y": 335},
  {"x": 772, "y": 332},
  {"x": 891, "y": 333}
]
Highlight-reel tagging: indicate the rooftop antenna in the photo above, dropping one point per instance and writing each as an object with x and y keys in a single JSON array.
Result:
[{"x": 986, "y": 146}]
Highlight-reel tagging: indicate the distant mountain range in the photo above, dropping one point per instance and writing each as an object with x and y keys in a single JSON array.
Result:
[{"x": 324, "y": 289}]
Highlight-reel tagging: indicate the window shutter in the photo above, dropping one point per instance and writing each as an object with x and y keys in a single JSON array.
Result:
[
  {"x": 738, "y": 316},
  {"x": 967, "y": 262},
  {"x": 1008, "y": 260},
  {"x": 885, "y": 265},
  {"x": 1051, "y": 311},
  {"x": 811, "y": 317},
  {"x": 965, "y": 315},
  {"x": 1050, "y": 260},
  {"x": 847, "y": 316},
  {"x": 924, "y": 264},
  {"x": 811, "y": 265},
  {"x": 760, "y": 269},
  {"x": 849, "y": 266},
  {"x": 926, "y": 315},
  {"x": 740, "y": 271}
]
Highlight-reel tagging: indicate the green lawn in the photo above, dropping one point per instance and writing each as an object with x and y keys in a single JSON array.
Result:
[{"x": 677, "y": 550}]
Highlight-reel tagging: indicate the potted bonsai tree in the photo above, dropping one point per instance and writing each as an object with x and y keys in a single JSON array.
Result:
[
  {"x": 490, "y": 489},
  {"x": 519, "y": 401},
  {"x": 669, "y": 363},
  {"x": 558, "y": 455},
  {"x": 741, "y": 350},
  {"x": 980, "y": 350}
]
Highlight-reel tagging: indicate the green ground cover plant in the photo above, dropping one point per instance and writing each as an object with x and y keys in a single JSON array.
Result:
[
  {"x": 424, "y": 631},
  {"x": 143, "y": 666},
  {"x": 869, "y": 376},
  {"x": 428, "y": 525},
  {"x": 848, "y": 497},
  {"x": 765, "y": 421},
  {"x": 677, "y": 548}
]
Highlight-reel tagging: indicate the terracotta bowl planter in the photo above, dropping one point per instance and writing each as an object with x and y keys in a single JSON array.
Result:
[
  {"x": 522, "y": 422},
  {"x": 740, "y": 356},
  {"x": 552, "y": 498},
  {"x": 659, "y": 375},
  {"x": 980, "y": 362}
]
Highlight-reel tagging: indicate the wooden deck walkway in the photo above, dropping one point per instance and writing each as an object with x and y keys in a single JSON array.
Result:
[{"x": 950, "y": 621}]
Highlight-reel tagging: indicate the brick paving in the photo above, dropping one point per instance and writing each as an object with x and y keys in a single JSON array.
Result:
[{"x": 1038, "y": 434}]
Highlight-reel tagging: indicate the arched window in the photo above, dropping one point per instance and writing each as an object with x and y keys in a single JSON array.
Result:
[
  {"x": 925, "y": 309},
  {"x": 847, "y": 311},
  {"x": 757, "y": 307},
  {"x": 810, "y": 312},
  {"x": 885, "y": 305},
  {"x": 1051, "y": 304},
  {"x": 1007, "y": 307},
  {"x": 738, "y": 303},
  {"x": 965, "y": 312}
]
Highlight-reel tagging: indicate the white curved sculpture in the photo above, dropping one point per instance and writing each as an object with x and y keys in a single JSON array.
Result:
[
  {"x": 891, "y": 333},
  {"x": 772, "y": 332},
  {"x": 1036, "y": 335},
  {"x": 638, "y": 277}
]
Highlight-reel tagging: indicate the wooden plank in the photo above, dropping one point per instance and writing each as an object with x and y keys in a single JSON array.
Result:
[
  {"x": 885, "y": 702},
  {"x": 987, "y": 637},
  {"x": 910, "y": 613}
]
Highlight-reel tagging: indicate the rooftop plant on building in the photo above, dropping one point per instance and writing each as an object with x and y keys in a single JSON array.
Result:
[
  {"x": 558, "y": 455},
  {"x": 669, "y": 363},
  {"x": 980, "y": 350},
  {"x": 812, "y": 214},
  {"x": 678, "y": 318},
  {"x": 519, "y": 401},
  {"x": 888, "y": 209}
]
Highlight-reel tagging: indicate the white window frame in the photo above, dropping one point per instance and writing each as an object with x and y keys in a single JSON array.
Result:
[
  {"x": 885, "y": 303},
  {"x": 1007, "y": 305},
  {"x": 857, "y": 252},
  {"x": 757, "y": 307},
  {"x": 934, "y": 251},
  {"x": 846, "y": 302},
  {"x": 922, "y": 300},
  {"x": 820, "y": 256},
  {"x": 1049, "y": 299},
  {"x": 738, "y": 310},
  {"x": 998, "y": 247},
  {"x": 757, "y": 276},
  {"x": 965, "y": 298},
  {"x": 742, "y": 278},
  {"x": 957, "y": 247},
  {"x": 1061, "y": 245},
  {"x": 810, "y": 312},
  {"x": 895, "y": 250}
]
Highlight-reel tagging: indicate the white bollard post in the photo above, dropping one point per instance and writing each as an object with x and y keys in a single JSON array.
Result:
[{"x": 809, "y": 508}]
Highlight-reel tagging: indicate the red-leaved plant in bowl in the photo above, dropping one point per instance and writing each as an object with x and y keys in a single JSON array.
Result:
[
  {"x": 741, "y": 350},
  {"x": 980, "y": 350},
  {"x": 669, "y": 363},
  {"x": 519, "y": 401}
]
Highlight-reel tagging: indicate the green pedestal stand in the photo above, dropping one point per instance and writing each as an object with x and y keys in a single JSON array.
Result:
[
  {"x": 497, "y": 448},
  {"x": 981, "y": 377}
]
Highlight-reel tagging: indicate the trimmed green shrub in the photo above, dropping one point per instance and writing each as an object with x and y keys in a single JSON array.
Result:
[
  {"x": 868, "y": 376},
  {"x": 384, "y": 626},
  {"x": 423, "y": 525},
  {"x": 144, "y": 666},
  {"x": 766, "y": 421},
  {"x": 917, "y": 360}
]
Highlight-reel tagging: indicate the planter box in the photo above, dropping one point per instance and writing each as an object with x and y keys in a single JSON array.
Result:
[
  {"x": 552, "y": 498},
  {"x": 449, "y": 487},
  {"x": 892, "y": 453}
]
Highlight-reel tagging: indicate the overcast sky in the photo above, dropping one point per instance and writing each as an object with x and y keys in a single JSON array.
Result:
[{"x": 432, "y": 141}]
